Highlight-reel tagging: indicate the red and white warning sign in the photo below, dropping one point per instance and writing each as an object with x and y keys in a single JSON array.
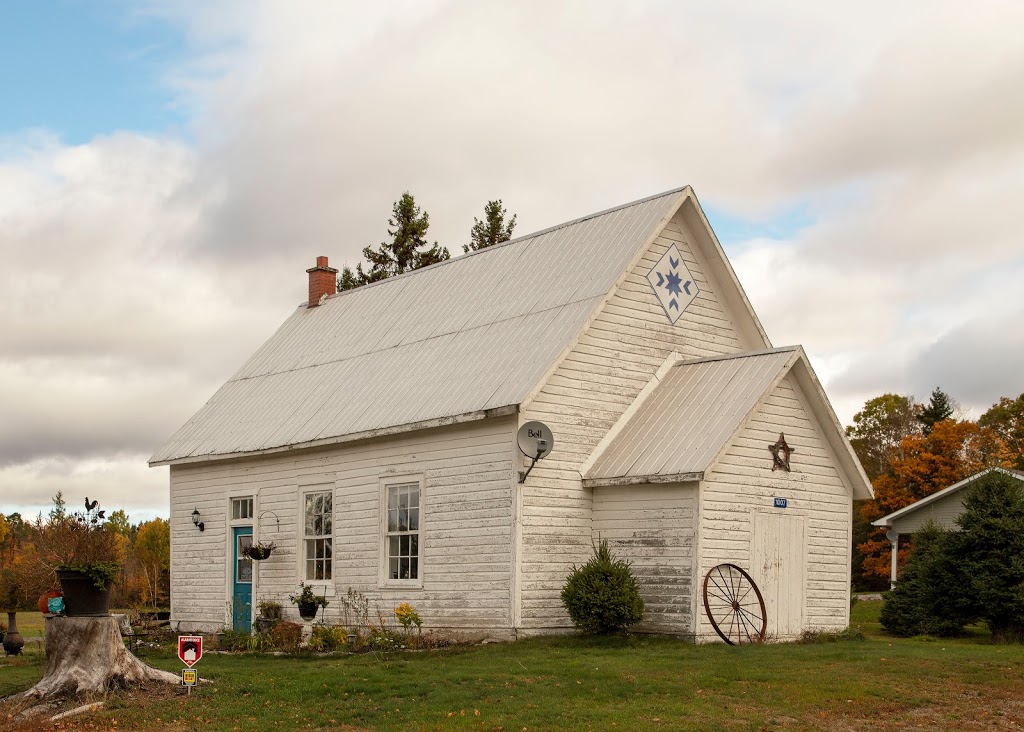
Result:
[{"x": 190, "y": 649}]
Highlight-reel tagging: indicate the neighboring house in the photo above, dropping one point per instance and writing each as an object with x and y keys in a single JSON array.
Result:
[
  {"x": 942, "y": 508},
  {"x": 373, "y": 440}
]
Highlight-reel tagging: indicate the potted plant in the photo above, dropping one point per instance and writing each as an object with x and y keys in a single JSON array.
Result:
[
  {"x": 260, "y": 551},
  {"x": 85, "y": 555},
  {"x": 270, "y": 615},
  {"x": 308, "y": 603}
]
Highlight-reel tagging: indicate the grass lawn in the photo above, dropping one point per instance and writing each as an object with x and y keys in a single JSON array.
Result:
[{"x": 630, "y": 683}]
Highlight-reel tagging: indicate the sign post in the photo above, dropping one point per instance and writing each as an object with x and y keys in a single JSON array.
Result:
[{"x": 190, "y": 650}]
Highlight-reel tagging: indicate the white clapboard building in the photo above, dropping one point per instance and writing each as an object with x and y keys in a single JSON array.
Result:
[{"x": 373, "y": 440}]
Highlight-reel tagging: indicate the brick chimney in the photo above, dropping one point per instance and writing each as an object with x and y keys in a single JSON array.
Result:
[{"x": 323, "y": 280}]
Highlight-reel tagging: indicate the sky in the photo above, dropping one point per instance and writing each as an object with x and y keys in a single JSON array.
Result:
[{"x": 168, "y": 170}]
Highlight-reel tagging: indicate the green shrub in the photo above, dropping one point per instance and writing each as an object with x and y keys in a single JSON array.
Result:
[
  {"x": 989, "y": 551},
  {"x": 327, "y": 638},
  {"x": 920, "y": 603},
  {"x": 954, "y": 578},
  {"x": 602, "y": 595}
]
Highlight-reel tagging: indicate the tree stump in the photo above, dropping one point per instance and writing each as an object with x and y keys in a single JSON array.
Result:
[{"x": 87, "y": 656}]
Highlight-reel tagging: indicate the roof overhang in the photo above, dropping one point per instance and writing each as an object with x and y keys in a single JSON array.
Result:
[{"x": 341, "y": 439}]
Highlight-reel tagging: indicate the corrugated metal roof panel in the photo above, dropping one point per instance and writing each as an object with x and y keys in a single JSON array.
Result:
[
  {"x": 473, "y": 333},
  {"x": 689, "y": 416}
]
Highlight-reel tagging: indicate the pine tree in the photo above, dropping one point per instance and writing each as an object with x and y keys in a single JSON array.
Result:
[
  {"x": 407, "y": 250},
  {"x": 492, "y": 230},
  {"x": 938, "y": 408}
]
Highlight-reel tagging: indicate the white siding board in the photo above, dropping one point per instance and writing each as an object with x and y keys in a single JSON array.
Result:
[
  {"x": 467, "y": 524},
  {"x": 742, "y": 483},
  {"x": 581, "y": 400}
]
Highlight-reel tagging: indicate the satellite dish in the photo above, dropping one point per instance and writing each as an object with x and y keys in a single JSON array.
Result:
[
  {"x": 535, "y": 441},
  {"x": 892, "y": 535}
]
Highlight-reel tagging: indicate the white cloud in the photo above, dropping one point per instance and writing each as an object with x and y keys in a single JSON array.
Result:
[{"x": 138, "y": 272}]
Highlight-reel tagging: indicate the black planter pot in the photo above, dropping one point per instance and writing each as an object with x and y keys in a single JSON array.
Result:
[
  {"x": 81, "y": 598},
  {"x": 13, "y": 642},
  {"x": 307, "y": 610}
]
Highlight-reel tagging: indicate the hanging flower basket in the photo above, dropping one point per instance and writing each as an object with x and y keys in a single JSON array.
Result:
[{"x": 259, "y": 551}]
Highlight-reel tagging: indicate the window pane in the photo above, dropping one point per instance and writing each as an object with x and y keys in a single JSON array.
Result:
[
  {"x": 414, "y": 519},
  {"x": 403, "y": 546},
  {"x": 403, "y": 519},
  {"x": 394, "y": 568},
  {"x": 414, "y": 568},
  {"x": 414, "y": 544},
  {"x": 310, "y": 549},
  {"x": 327, "y": 549},
  {"x": 392, "y": 498},
  {"x": 328, "y": 523},
  {"x": 393, "y": 548},
  {"x": 403, "y": 568},
  {"x": 414, "y": 497}
]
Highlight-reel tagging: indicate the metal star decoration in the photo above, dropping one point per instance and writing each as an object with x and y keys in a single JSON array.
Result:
[{"x": 780, "y": 453}]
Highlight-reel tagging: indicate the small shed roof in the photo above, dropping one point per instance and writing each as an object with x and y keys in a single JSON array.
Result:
[
  {"x": 888, "y": 520},
  {"x": 684, "y": 421},
  {"x": 453, "y": 341},
  {"x": 691, "y": 411}
]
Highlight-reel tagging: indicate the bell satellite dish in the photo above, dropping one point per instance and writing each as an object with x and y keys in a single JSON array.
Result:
[
  {"x": 535, "y": 442},
  {"x": 892, "y": 535}
]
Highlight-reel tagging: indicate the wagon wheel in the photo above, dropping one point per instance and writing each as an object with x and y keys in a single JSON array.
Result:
[{"x": 734, "y": 605}]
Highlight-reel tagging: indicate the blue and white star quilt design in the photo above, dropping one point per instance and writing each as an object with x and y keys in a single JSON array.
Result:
[{"x": 673, "y": 284}]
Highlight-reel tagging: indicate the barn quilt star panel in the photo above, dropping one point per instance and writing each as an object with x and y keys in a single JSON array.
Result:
[{"x": 673, "y": 284}]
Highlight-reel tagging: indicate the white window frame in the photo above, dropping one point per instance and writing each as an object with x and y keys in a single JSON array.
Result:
[
  {"x": 385, "y": 576},
  {"x": 246, "y": 520},
  {"x": 303, "y": 538}
]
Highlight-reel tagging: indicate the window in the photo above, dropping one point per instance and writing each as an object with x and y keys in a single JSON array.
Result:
[
  {"x": 241, "y": 508},
  {"x": 319, "y": 525},
  {"x": 402, "y": 535}
]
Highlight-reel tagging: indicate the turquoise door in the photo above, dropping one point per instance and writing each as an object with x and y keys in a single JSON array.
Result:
[{"x": 241, "y": 595}]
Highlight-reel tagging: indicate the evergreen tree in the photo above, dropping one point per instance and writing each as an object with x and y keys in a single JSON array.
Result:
[
  {"x": 938, "y": 408},
  {"x": 492, "y": 230},
  {"x": 407, "y": 250}
]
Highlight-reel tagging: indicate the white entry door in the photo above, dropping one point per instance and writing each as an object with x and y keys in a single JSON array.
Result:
[{"x": 777, "y": 555}]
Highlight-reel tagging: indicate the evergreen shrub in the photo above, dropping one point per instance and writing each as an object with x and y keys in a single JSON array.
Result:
[{"x": 602, "y": 596}]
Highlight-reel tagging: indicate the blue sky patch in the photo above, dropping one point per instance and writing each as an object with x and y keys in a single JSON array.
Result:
[{"x": 83, "y": 69}]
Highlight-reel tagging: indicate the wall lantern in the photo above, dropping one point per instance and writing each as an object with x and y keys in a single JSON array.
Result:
[{"x": 195, "y": 520}]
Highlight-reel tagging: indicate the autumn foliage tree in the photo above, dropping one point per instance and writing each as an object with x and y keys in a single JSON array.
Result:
[
  {"x": 950, "y": 452},
  {"x": 1006, "y": 419}
]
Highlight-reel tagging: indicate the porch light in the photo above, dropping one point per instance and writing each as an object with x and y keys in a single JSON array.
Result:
[{"x": 195, "y": 520}]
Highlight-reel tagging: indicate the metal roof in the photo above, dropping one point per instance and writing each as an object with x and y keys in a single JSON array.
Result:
[
  {"x": 471, "y": 334},
  {"x": 889, "y": 518},
  {"x": 685, "y": 420}
]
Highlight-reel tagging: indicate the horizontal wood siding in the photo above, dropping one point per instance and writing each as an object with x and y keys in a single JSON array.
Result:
[
  {"x": 944, "y": 512},
  {"x": 653, "y": 528},
  {"x": 743, "y": 482},
  {"x": 602, "y": 374},
  {"x": 466, "y": 524}
]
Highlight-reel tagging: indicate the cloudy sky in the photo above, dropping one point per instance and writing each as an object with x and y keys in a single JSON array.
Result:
[{"x": 168, "y": 170}]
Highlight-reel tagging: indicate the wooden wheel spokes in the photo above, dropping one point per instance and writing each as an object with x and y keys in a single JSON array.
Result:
[{"x": 734, "y": 605}]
